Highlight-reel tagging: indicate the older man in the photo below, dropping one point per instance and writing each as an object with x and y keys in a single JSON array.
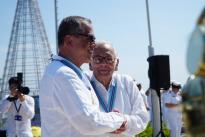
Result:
[
  {"x": 68, "y": 104},
  {"x": 116, "y": 92}
]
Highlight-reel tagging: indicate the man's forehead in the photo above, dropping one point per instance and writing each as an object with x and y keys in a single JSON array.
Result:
[
  {"x": 88, "y": 28},
  {"x": 13, "y": 85},
  {"x": 102, "y": 51},
  {"x": 103, "y": 54}
]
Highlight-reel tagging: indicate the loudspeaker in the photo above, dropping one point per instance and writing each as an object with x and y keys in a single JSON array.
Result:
[{"x": 159, "y": 72}]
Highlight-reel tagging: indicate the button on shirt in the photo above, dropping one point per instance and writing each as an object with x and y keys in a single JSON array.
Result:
[
  {"x": 69, "y": 106},
  {"x": 18, "y": 128},
  {"x": 128, "y": 101}
]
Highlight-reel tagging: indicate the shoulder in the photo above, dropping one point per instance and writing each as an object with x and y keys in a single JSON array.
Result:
[
  {"x": 127, "y": 83},
  {"x": 29, "y": 97},
  {"x": 124, "y": 78},
  {"x": 56, "y": 70}
]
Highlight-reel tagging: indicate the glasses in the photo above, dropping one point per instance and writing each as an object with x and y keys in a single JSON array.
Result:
[
  {"x": 91, "y": 38},
  {"x": 99, "y": 60}
]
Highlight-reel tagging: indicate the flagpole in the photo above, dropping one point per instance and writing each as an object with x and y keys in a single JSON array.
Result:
[
  {"x": 56, "y": 24},
  {"x": 155, "y": 108}
]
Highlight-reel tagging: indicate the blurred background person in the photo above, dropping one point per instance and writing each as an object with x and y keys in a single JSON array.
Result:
[
  {"x": 164, "y": 108},
  {"x": 144, "y": 96},
  {"x": 172, "y": 101},
  {"x": 20, "y": 110}
]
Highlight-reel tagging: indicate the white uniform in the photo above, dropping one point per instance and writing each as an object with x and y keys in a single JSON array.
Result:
[
  {"x": 174, "y": 115},
  {"x": 69, "y": 106},
  {"x": 128, "y": 101},
  {"x": 145, "y": 99},
  {"x": 164, "y": 108},
  {"x": 26, "y": 111}
]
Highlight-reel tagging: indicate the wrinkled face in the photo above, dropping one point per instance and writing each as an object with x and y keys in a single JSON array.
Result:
[{"x": 103, "y": 62}]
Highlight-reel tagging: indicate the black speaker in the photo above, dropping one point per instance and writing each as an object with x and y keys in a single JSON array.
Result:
[{"x": 159, "y": 72}]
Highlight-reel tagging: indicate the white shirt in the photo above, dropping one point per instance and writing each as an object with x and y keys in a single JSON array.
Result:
[
  {"x": 69, "y": 107},
  {"x": 18, "y": 128},
  {"x": 174, "y": 114},
  {"x": 144, "y": 96},
  {"x": 164, "y": 108},
  {"x": 128, "y": 101},
  {"x": 174, "y": 98}
]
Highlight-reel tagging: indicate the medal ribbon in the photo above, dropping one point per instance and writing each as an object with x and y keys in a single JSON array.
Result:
[
  {"x": 111, "y": 100},
  {"x": 77, "y": 71}
]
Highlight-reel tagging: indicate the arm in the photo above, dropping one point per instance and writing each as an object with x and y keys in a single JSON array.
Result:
[
  {"x": 27, "y": 108},
  {"x": 67, "y": 97},
  {"x": 171, "y": 101},
  {"x": 139, "y": 116},
  {"x": 171, "y": 105},
  {"x": 5, "y": 105}
]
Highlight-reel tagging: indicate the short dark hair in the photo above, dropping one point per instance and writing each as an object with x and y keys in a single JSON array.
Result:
[
  {"x": 201, "y": 17},
  {"x": 178, "y": 86},
  {"x": 13, "y": 80},
  {"x": 71, "y": 25}
]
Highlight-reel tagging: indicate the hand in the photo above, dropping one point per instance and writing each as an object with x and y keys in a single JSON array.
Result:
[
  {"x": 21, "y": 97},
  {"x": 14, "y": 91},
  {"x": 122, "y": 128},
  {"x": 115, "y": 110}
]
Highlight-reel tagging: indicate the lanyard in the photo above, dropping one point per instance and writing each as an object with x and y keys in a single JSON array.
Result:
[
  {"x": 111, "y": 100},
  {"x": 72, "y": 66},
  {"x": 77, "y": 71},
  {"x": 17, "y": 109}
]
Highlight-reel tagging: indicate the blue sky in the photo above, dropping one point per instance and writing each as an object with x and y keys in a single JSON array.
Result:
[{"x": 124, "y": 24}]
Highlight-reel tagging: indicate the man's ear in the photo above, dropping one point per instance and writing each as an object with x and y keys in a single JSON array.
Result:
[
  {"x": 90, "y": 66},
  {"x": 116, "y": 65},
  {"x": 67, "y": 40}
]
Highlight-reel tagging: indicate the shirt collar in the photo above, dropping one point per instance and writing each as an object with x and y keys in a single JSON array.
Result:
[
  {"x": 70, "y": 64},
  {"x": 112, "y": 82}
]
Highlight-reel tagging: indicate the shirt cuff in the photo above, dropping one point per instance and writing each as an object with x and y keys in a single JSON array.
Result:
[{"x": 129, "y": 125}]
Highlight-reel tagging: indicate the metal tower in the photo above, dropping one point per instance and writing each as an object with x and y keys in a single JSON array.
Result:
[{"x": 29, "y": 50}]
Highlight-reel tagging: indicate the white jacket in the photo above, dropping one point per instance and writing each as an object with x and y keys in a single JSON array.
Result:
[
  {"x": 18, "y": 128},
  {"x": 69, "y": 106},
  {"x": 128, "y": 101}
]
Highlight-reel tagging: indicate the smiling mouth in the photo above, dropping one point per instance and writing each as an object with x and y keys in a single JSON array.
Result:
[{"x": 104, "y": 71}]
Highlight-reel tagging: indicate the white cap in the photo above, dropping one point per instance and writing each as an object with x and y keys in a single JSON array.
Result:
[{"x": 176, "y": 84}]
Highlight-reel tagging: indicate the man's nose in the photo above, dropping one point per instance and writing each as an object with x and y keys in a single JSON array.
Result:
[{"x": 92, "y": 45}]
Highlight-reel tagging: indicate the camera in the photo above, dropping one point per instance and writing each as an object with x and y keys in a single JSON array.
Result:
[
  {"x": 23, "y": 90},
  {"x": 18, "y": 81}
]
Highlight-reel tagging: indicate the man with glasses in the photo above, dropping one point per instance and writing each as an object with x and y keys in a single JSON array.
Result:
[
  {"x": 68, "y": 104},
  {"x": 115, "y": 92}
]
